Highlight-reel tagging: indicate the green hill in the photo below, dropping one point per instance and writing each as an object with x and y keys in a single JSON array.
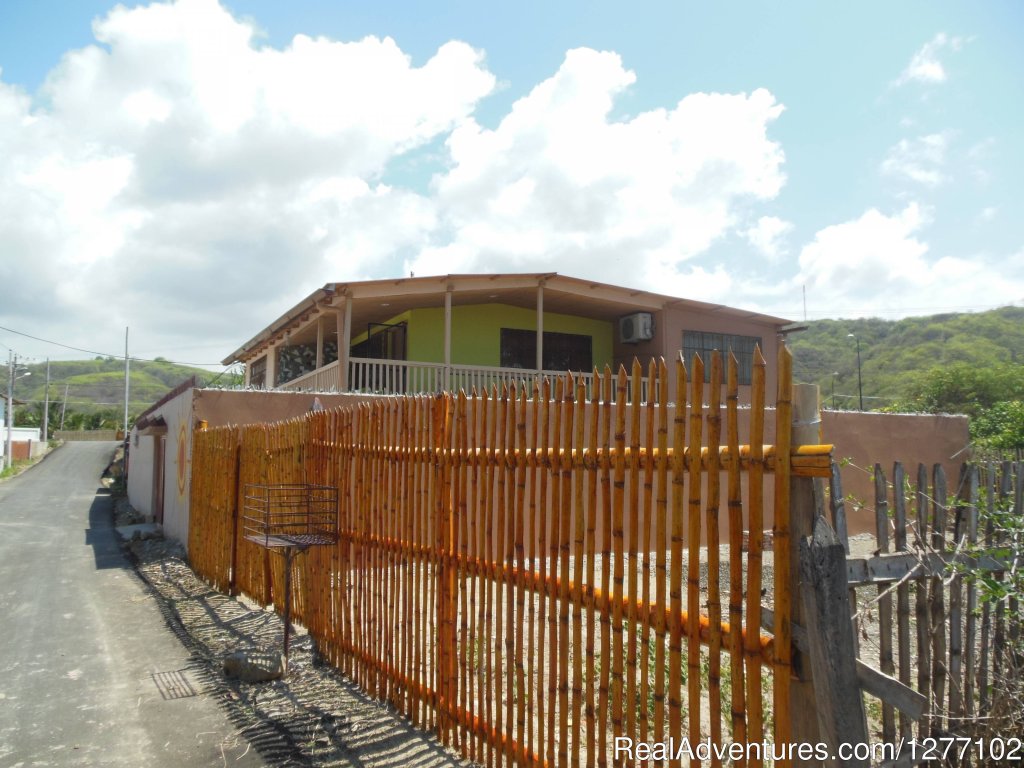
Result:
[
  {"x": 897, "y": 353},
  {"x": 95, "y": 390}
]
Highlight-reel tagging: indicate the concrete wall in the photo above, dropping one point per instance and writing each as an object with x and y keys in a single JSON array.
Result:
[{"x": 864, "y": 439}]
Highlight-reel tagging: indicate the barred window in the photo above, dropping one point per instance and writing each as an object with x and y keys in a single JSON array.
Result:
[{"x": 704, "y": 343}]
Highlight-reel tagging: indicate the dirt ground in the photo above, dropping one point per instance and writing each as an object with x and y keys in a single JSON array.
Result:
[{"x": 312, "y": 717}]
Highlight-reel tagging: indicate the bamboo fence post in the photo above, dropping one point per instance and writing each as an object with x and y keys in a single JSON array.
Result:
[
  {"x": 786, "y": 550},
  {"x": 464, "y": 576},
  {"x": 646, "y": 511},
  {"x": 693, "y": 510},
  {"x": 714, "y": 420},
  {"x": 604, "y": 467},
  {"x": 489, "y": 596},
  {"x": 579, "y": 541},
  {"x": 661, "y": 554},
  {"x": 755, "y": 480},
  {"x": 736, "y": 650},
  {"x": 542, "y": 550},
  {"x": 522, "y": 692},
  {"x": 675, "y": 660},
  {"x": 564, "y": 546},
  {"x": 500, "y": 553},
  {"x": 533, "y": 650},
  {"x": 555, "y": 733},
  {"x": 618, "y": 577},
  {"x": 591, "y": 546},
  {"x": 633, "y": 563}
]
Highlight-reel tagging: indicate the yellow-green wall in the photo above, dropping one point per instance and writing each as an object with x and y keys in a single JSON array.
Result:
[{"x": 476, "y": 332}]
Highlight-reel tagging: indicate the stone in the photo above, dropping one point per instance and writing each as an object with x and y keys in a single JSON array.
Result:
[{"x": 254, "y": 666}]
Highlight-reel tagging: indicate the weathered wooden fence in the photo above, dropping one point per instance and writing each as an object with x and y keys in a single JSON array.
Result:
[
  {"x": 494, "y": 578},
  {"x": 945, "y": 645}
]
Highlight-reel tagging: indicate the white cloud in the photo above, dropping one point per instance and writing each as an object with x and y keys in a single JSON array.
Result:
[
  {"x": 768, "y": 236},
  {"x": 559, "y": 184},
  {"x": 879, "y": 265},
  {"x": 182, "y": 178},
  {"x": 866, "y": 253},
  {"x": 921, "y": 159},
  {"x": 988, "y": 213},
  {"x": 925, "y": 66}
]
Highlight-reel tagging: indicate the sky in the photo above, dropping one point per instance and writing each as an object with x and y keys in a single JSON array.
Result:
[{"x": 192, "y": 169}]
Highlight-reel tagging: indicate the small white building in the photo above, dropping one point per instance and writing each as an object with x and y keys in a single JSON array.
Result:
[{"x": 26, "y": 442}]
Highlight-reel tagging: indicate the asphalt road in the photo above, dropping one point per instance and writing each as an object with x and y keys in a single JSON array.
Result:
[{"x": 90, "y": 673}]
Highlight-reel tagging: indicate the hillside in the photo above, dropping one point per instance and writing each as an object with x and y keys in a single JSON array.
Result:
[
  {"x": 97, "y": 386},
  {"x": 895, "y": 352}
]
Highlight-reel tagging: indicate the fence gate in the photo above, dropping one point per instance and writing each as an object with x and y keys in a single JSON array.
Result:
[{"x": 934, "y": 631}]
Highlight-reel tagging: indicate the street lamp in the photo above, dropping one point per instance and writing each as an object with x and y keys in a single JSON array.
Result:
[
  {"x": 12, "y": 365},
  {"x": 860, "y": 383},
  {"x": 834, "y": 374}
]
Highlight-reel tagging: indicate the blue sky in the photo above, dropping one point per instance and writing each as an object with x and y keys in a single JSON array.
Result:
[{"x": 204, "y": 167}]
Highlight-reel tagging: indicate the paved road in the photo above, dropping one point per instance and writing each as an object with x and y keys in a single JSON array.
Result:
[{"x": 90, "y": 674}]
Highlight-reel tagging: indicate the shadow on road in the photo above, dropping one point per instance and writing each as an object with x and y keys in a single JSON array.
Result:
[{"x": 101, "y": 536}]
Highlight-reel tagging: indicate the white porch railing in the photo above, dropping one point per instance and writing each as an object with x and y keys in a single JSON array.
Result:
[
  {"x": 403, "y": 377},
  {"x": 321, "y": 380}
]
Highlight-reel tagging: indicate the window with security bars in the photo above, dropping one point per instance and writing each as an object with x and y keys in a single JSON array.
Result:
[{"x": 704, "y": 343}]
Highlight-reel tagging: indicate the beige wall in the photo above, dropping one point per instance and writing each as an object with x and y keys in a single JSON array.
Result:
[
  {"x": 864, "y": 439},
  {"x": 182, "y": 414},
  {"x": 669, "y": 325},
  {"x": 221, "y": 407}
]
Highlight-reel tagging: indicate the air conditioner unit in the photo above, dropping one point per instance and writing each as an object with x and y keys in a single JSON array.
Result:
[{"x": 636, "y": 327}]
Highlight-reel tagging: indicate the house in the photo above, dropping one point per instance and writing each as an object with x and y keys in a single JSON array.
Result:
[{"x": 427, "y": 334}]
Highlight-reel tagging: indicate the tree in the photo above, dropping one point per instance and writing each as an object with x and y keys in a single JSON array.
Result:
[{"x": 1001, "y": 427}]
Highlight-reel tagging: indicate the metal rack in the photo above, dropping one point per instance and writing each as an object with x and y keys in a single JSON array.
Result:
[{"x": 289, "y": 518}]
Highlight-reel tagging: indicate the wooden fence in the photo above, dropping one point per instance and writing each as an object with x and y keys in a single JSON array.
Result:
[
  {"x": 493, "y": 579},
  {"x": 944, "y": 641}
]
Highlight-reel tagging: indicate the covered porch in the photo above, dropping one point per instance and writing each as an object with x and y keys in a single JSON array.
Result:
[{"x": 423, "y": 335}]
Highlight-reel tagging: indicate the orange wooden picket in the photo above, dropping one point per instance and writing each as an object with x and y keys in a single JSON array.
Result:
[{"x": 522, "y": 571}]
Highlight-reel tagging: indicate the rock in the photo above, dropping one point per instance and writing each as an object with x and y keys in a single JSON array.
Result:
[{"x": 254, "y": 666}]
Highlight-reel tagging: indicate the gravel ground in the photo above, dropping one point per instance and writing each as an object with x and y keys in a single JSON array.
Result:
[{"x": 311, "y": 717}]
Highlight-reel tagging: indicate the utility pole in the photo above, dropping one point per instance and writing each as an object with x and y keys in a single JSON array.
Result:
[
  {"x": 64, "y": 406},
  {"x": 12, "y": 360},
  {"x": 126, "y": 381},
  {"x": 860, "y": 383},
  {"x": 46, "y": 405}
]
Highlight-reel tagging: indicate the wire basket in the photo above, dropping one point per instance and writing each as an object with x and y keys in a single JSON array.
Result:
[{"x": 290, "y": 515}]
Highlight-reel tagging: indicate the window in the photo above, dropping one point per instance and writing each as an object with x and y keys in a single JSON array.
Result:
[
  {"x": 258, "y": 373},
  {"x": 704, "y": 343},
  {"x": 562, "y": 351}
]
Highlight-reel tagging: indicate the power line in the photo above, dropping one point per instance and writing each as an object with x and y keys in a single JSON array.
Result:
[{"x": 103, "y": 354}]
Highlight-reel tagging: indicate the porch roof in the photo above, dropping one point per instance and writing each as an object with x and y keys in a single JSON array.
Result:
[{"x": 376, "y": 301}]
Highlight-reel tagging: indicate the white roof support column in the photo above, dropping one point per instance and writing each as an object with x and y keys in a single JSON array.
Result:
[
  {"x": 248, "y": 373},
  {"x": 447, "y": 336},
  {"x": 319, "y": 342},
  {"x": 540, "y": 325},
  {"x": 271, "y": 366},
  {"x": 344, "y": 342}
]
